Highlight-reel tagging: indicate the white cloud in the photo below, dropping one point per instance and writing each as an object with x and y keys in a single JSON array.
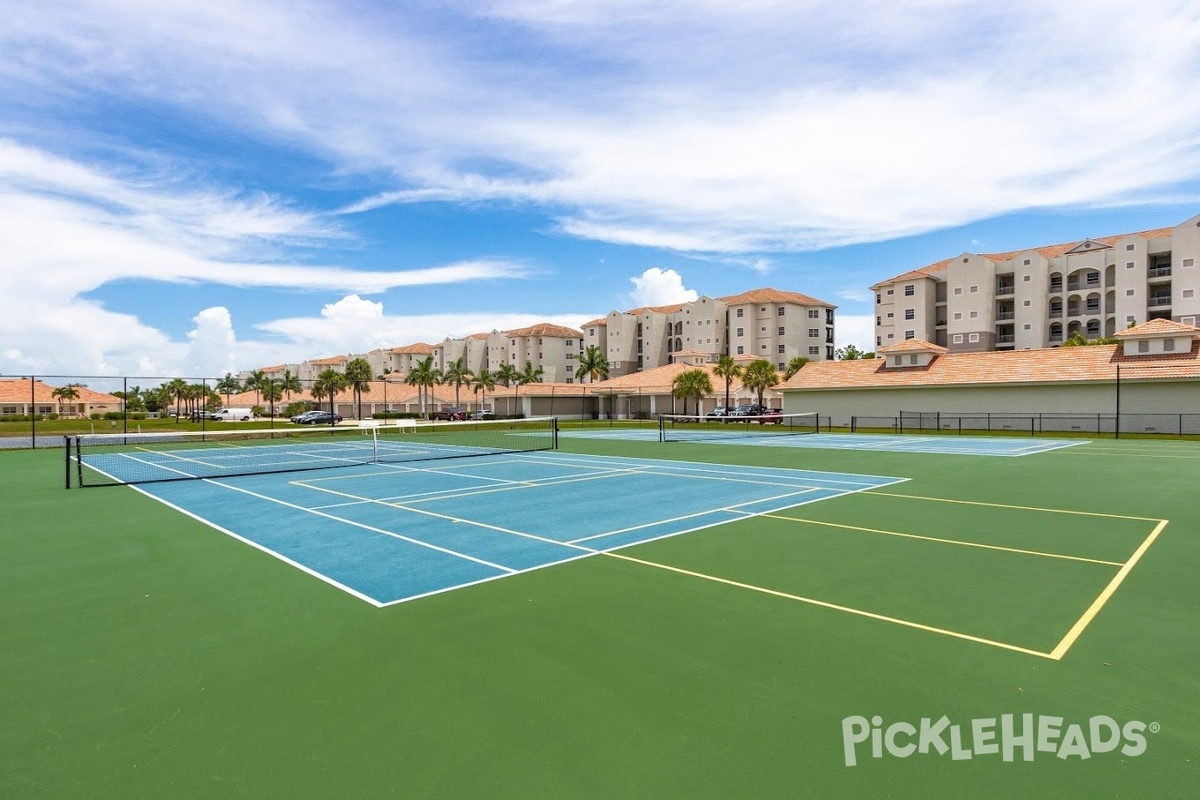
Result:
[
  {"x": 659, "y": 287},
  {"x": 696, "y": 126},
  {"x": 855, "y": 329},
  {"x": 212, "y": 345},
  {"x": 858, "y": 295}
]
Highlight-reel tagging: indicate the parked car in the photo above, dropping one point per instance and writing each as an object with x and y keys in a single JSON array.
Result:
[
  {"x": 302, "y": 416},
  {"x": 243, "y": 414},
  {"x": 771, "y": 415},
  {"x": 749, "y": 410},
  {"x": 482, "y": 415},
  {"x": 319, "y": 418},
  {"x": 719, "y": 411},
  {"x": 451, "y": 414}
]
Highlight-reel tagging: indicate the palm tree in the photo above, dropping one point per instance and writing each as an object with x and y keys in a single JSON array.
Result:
[
  {"x": 358, "y": 377},
  {"x": 66, "y": 393},
  {"x": 227, "y": 386},
  {"x": 328, "y": 384},
  {"x": 593, "y": 364},
  {"x": 289, "y": 383},
  {"x": 531, "y": 374},
  {"x": 759, "y": 377},
  {"x": 693, "y": 383},
  {"x": 255, "y": 382},
  {"x": 176, "y": 389},
  {"x": 510, "y": 376},
  {"x": 456, "y": 375},
  {"x": 728, "y": 369},
  {"x": 423, "y": 375},
  {"x": 485, "y": 382},
  {"x": 794, "y": 366},
  {"x": 272, "y": 391}
]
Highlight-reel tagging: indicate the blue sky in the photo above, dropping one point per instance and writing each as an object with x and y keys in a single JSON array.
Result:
[{"x": 196, "y": 187}]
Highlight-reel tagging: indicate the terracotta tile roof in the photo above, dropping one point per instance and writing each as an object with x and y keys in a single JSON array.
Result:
[
  {"x": 768, "y": 295},
  {"x": 599, "y": 321},
  {"x": 329, "y": 361},
  {"x": 913, "y": 346},
  {"x": 1054, "y": 365},
  {"x": 546, "y": 329},
  {"x": 16, "y": 390},
  {"x": 1046, "y": 251},
  {"x": 1157, "y": 327},
  {"x": 480, "y": 336},
  {"x": 418, "y": 349},
  {"x": 636, "y": 312}
]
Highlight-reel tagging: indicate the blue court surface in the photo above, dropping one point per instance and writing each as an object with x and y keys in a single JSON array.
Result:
[
  {"x": 896, "y": 443},
  {"x": 388, "y": 533}
]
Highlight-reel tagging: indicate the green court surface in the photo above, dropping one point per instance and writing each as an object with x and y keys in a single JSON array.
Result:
[{"x": 146, "y": 654}]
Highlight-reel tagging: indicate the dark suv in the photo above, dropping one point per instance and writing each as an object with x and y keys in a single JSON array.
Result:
[{"x": 749, "y": 411}]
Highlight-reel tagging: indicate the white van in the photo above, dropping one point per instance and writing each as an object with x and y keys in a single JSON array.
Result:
[{"x": 230, "y": 414}]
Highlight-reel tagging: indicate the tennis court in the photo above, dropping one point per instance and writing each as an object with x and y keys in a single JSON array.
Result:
[{"x": 685, "y": 618}]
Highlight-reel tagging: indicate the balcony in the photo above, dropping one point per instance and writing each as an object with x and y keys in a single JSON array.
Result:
[
  {"x": 1003, "y": 315},
  {"x": 1005, "y": 290},
  {"x": 1056, "y": 312},
  {"x": 1056, "y": 286},
  {"x": 1005, "y": 338},
  {"x": 1159, "y": 301},
  {"x": 1158, "y": 272},
  {"x": 1074, "y": 286},
  {"x": 1074, "y": 311},
  {"x": 1093, "y": 309},
  {"x": 1056, "y": 337}
]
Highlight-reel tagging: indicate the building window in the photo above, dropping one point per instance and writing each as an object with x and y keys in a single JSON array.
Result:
[
  {"x": 568, "y": 342},
  {"x": 1027, "y": 326},
  {"x": 879, "y": 320},
  {"x": 878, "y": 299},
  {"x": 741, "y": 350},
  {"x": 814, "y": 351},
  {"x": 958, "y": 290},
  {"x": 1027, "y": 303},
  {"x": 891, "y": 291},
  {"x": 1130, "y": 292},
  {"x": 957, "y": 315},
  {"x": 781, "y": 330},
  {"x": 1026, "y": 262},
  {"x": 815, "y": 313},
  {"x": 897, "y": 361},
  {"x": 1128, "y": 265},
  {"x": 974, "y": 289},
  {"x": 1130, "y": 319},
  {"x": 741, "y": 332},
  {"x": 957, "y": 338},
  {"x": 1189, "y": 262},
  {"x": 739, "y": 312},
  {"x": 878, "y": 341},
  {"x": 1189, "y": 292},
  {"x": 974, "y": 314},
  {"x": 781, "y": 310},
  {"x": 1188, "y": 320},
  {"x": 909, "y": 290},
  {"x": 1168, "y": 344},
  {"x": 910, "y": 313},
  {"x": 912, "y": 359},
  {"x": 890, "y": 315},
  {"x": 972, "y": 337},
  {"x": 1143, "y": 346},
  {"x": 814, "y": 332},
  {"x": 1128, "y": 247},
  {"x": 910, "y": 334},
  {"x": 1027, "y": 278},
  {"x": 781, "y": 350}
]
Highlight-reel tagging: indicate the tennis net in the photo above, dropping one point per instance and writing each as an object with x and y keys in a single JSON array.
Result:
[
  {"x": 115, "y": 459},
  {"x": 750, "y": 430}
]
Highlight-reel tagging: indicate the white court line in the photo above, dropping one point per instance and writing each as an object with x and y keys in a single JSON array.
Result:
[
  {"x": 728, "y": 509},
  {"x": 371, "y": 528},
  {"x": 738, "y": 469}
]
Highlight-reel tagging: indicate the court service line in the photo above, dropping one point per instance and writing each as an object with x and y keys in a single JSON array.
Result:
[
  {"x": 733, "y": 509},
  {"x": 947, "y": 541},
  {"x": 371, "y": 528},
  {"x": 833, "y": 606},
  {"x": 1006, "y": 505},
  {"x": 1081, "y": 624}
]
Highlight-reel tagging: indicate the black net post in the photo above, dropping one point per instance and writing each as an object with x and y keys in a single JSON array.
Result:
[{"x": 67, "y": 459}]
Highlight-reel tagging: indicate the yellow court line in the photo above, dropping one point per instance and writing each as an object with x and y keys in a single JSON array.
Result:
[
  {"x": 947, "y": 541},
  {"x": 833, "y": 606},
  {"x": 1077, "y": 629},
  {"x": 869, "y": 493}
]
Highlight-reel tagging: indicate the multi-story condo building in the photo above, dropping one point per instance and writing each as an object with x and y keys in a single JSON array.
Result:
[
  {"x": 1039, "y": 297},
  {"x": 403, "y": 359},
  {"x": 554, "y": 349},
  {"x": 762, "y": 323}
]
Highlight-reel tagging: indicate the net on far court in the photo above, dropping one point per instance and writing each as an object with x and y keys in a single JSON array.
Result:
[
  {"x": 113, "y": 458},
  {"x": 685, "y": 428}
]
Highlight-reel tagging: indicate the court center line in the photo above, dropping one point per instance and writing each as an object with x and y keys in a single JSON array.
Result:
[
  {"x": 833, "y": 606},
  {"x": 869, "y": 493},
  {"x": 371, "y": 528},
  {"x": 1081, "y": 624},
  {"x": 947, "y": 541}
]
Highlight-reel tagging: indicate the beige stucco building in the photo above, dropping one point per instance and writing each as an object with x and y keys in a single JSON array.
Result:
[
  {"x": 1155, "y": 369},
  {"x": 1038, "y": 297}
]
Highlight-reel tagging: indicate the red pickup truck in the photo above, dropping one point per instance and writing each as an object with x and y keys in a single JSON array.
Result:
[{"x": 451, "y": 414}]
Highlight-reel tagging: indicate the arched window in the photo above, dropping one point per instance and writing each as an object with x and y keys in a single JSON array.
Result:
[{"x": 678, "y": 345}]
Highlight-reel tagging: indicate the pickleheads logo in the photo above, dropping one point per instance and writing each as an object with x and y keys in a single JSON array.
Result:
[{"x": 1004, "y": 736}]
